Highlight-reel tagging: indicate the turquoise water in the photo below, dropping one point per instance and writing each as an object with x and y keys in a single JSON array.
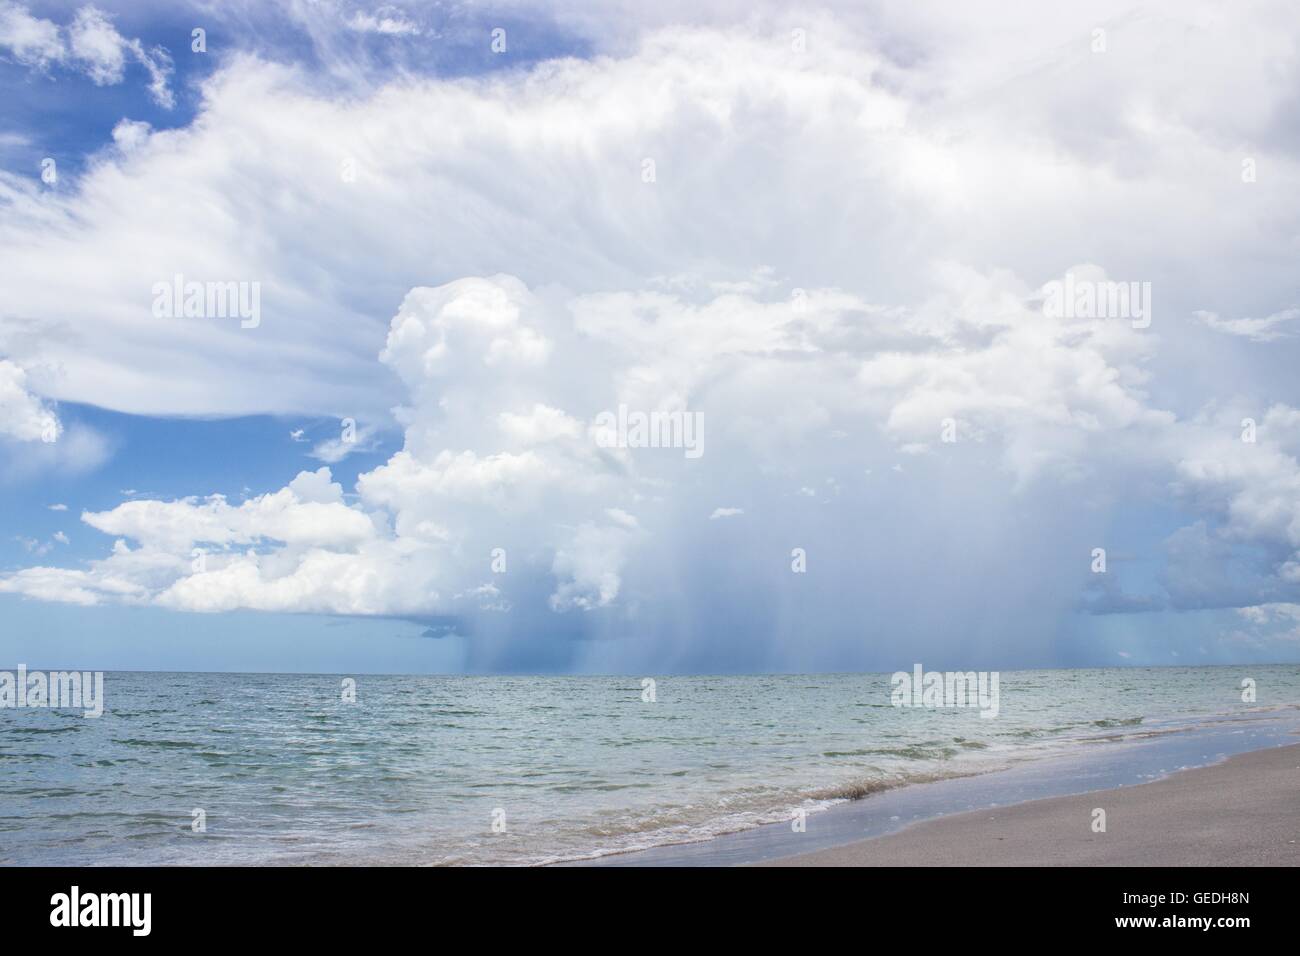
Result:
[{"x": 419, "y": 768}]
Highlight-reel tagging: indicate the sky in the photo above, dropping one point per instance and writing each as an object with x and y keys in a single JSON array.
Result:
[{"x": 320, "y": 320}]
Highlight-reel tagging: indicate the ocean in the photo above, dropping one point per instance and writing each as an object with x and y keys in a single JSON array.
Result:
[{"x": 215, "y": 769}]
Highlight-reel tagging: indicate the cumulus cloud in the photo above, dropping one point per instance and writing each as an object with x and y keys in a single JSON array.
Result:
[
  {"x": 500, "y": 451},
  {"x": 309, "y": 511},
  {"x": 32, "y": 41},
  {"x": 538, "y": 425},
  {"x": 203, "y": 554},
  {"x": 834, "y": 253},
  {"x": 102, "y": 53},
  {"x": 824, "y": 167},
  {"x": 33, "y": 439},
  {"x": 500, "y": 445},
  {"x": 588, "y": 566},
  {"x": 128, "y": 134},
  {"x": 1268, "y": 625},
  {"x": 100, "y": 48},
  {"x": 92, "y": 45},
  {"x": 23, "y": 416}
]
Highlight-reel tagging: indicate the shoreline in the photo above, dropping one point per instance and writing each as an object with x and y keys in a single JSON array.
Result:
[
  {"x": 1240, "y": 811},
  {"x": 1107, "y": 773}
]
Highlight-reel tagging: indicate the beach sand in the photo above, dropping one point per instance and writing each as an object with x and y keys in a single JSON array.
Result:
[{"x": 1244, "y": 811}]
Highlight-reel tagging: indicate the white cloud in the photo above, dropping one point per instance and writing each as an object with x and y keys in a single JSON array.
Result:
[
  {"x": 23, "y": 416},
  {"x": 1269, "y": 623},
  {"x": 55, "y": 584},
  {"x": 495, "y": 450},
  {"x": 725, "y": 513},
  {"x": 98, "y": 46},
  {"x": 309, "y": 512},
  {"x": 1279, "y": 325},
  {"x": 1255, "y": 485},
  {"x": 158, "y": 64},
  {"x": 93, "y": 46},
  {"x": 587, "y": 568},
  {"x": 538, "y": 425},
  {"x": 129, "y": 134},
  {"x": 356, "y": 438},
  {"x": 32, "y": 41},
  {"x": 498, "y": 161},
  {"x": 32, "y": 546},
  {"x": 299, "y": 548},
  {"x": 846, "y": 241},
  {"x": 1048, "y": 387},
  {"x": 387, "y": 21}
]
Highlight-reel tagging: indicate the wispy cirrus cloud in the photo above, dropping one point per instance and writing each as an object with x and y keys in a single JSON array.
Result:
[
  {"x": 1279, "y": 325},
  {"x": 386, "y": 21}
]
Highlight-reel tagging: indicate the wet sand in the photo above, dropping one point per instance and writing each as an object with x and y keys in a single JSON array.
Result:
[{"x": 1244, "y": 811}]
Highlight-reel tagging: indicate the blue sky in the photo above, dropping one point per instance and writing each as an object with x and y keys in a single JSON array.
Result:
[{"x": 830, "y": 233}]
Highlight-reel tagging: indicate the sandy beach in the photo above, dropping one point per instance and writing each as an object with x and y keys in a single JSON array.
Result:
[{"x": 1244, "y": 811}]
